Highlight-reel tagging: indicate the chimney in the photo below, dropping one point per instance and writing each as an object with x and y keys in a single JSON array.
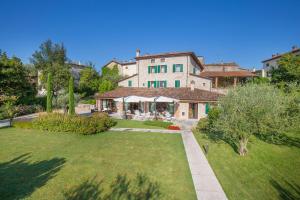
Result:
[
  {"x": 294, "y": 47},
  {"x": 137, "y": 53},
  {"x": 192, "y": 85}
]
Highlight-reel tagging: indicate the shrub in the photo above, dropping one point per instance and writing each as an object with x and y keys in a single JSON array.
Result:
[
  {"x": 88, "y": 101},
  {"x": 56, "y": 122},
  {"x": 23, "y": 124},
  {"x": 158, "y": 123},
  {"x": 202, "y": 125}
]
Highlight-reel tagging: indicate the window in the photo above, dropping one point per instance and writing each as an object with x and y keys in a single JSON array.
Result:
[
  {"x": 126, "y": 67},
  {"x": 203, "y": 84},
  {"x": 206, "y": 108},
  {"x": 177, "y": 83},
  {"x": 194, "y": 70},
  {"x": 163, "y": 69},
  {"x": 157, "y": 84},
  {"x": 162, "y": 60},
  {"x": 152, "y": 60},
  {"x": 129, "y": 83},
  {"x": 178, "y": 68},
  {"x": 152, "y": 69},
  {"x": 267, "y": 64},
  {"x": 161, "y": 84}
]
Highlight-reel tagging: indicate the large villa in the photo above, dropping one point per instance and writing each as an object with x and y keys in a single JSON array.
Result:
[{"x": 169, "y": 86}]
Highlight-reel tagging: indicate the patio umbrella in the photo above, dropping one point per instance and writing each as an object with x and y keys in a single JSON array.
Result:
[{"x": 165, "y": 99}]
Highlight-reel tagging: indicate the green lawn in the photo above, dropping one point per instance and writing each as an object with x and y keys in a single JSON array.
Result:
[
  {"x": 122, "y": 123},
  {"x": 41, "y": 165},
  {"x": 268, "y": 172}
]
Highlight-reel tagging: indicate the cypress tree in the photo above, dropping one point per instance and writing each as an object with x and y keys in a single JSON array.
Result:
[
  {"x": 49, "y": 93},
  {"x": 71, "y": 96}
]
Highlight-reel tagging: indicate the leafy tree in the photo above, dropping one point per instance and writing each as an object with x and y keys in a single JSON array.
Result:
[
  {"x": 49, "y": 92},
  {"x": 259, "y": 80},
  {"x": 105, "y": 86},
  {"x": 252, "y": 109},
  {"x": 109, "y": 79},
  {"x": 14, "y": 79},
  {"x": 89, "y": 81},
  {"x": 62, "y": 100},
  {"x": 9, "y": 106},
  {"x": 71, "y": 96},
  {"x": 288, "y": 69},
  {"x": 51, "y": 58}
]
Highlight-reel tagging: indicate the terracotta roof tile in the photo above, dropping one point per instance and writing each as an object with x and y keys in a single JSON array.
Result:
[
  {"x": 242, "y": 73},
  {"x": 176, "y": 93}
]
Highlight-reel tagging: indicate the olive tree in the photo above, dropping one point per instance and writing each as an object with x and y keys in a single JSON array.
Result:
[{"x": 251, "y": 109}]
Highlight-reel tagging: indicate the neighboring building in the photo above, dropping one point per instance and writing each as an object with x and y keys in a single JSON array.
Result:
[
  {"x": 225, "y": 75},
  {"x": 175, "y": 76},
  {"x": 272, "y": 62},
  {"x": 75, "y": 69},
  {"x": 127, "y": 68}
]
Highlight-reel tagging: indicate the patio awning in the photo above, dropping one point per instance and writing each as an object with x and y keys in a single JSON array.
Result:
[
  {"x": 135, "y": 99},
  {"x": 165, "y": 99}
]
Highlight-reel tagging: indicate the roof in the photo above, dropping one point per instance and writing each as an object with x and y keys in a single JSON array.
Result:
[
  {"x": 222, "y": 64},
  {"x": 127, "y": 77},
  {"x": 242, "y": 73},
  {"x": 120, "y": 62},
  {"x": 279, "y": 55},
  {"x": 176, "y": 93},
  {"x": 171, "y": 54}
]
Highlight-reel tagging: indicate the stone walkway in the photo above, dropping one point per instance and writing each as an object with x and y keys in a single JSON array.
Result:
[{"x": 205, "y": 182}]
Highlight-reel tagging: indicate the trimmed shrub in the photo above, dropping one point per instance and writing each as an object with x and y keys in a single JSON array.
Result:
[
  {"x": 56, "y": 122},
  {"x": 23, "y": 124},
  {"x": 158, "y": 123}
]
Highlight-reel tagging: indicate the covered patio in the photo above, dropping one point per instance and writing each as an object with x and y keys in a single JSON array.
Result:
[{"x": 142, "y": 108}]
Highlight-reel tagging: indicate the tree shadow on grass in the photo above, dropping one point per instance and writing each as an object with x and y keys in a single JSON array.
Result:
[
  {"x": 122, "y": 188},
  {"x": 19, "y": 178},
  {"x": 289, "y": 192},
  {"x": 281, "y": 139}
]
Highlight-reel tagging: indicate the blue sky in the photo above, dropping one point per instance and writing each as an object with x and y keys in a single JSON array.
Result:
[{"x": 230, "y": 30}]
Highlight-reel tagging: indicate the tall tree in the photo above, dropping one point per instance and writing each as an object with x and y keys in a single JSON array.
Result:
[
  {"x": 288, "y": 69},
  {"x": 89, "y": 81},
  {"x": 71, "y": 96},
  {"x": 15, "y": 79},
  {"x": 49, "y": 92},
  {"x": 51, "y": 58}
]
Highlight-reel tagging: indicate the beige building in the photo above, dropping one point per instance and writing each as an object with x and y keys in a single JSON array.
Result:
[
  {"x": 169, "y": 84},
  {"x": 272, "y": 62}
]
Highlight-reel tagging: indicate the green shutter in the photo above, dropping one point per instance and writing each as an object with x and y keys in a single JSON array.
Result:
[
  {"x": 173, "y": 67},
  {"x": 181, "y": 68},
  {"x": 165, "y": 84},
  {"x": 149, "y": 84},
  {"x": 154, "y": 84},
  {"x": 206, "y": 108},
  {"x": 166, "y": 67},
  {"x": 158, "y": 69},
  {"x": 177, "y": 83},
  {"x": 155, "y": 69},
  {"x": 129, "y": 83},
  {"x": 149, "y": 70},
  {"x": 194, "y": 70}
]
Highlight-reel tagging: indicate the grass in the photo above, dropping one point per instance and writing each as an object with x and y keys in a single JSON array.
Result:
[
  {"x": 269, "y": 171},
  {"x": 39, "y": 165},
  {"x": 123, "y": 123}
]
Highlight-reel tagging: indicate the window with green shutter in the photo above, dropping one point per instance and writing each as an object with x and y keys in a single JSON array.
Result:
[
  {"x": 194, "y": 70},
  {"x": 149, "y": 69},
  {"x": 149, "y": 84},
  {"x": 129, "y": 83},
  {"x": 177, "y": 83},
  {"x": 158, "y": 68},
  {"x": 177, "y": 67}
]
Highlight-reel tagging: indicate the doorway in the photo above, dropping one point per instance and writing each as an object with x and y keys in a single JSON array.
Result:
[{"x": 193, "y": 110}]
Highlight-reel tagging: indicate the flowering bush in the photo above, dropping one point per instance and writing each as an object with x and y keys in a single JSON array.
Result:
[{"x": 173, "y": 127}]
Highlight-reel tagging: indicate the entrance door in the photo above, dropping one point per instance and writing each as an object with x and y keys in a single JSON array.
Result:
[{"x": 193, "y": 110}]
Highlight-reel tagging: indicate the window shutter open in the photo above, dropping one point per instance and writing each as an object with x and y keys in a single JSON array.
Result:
[
  {"x": 149, "y": 84},
  {"x": 165, "y": 84},
  {"x": 158, "y": 68},
  {"x": 154, "y": 84},
  {"x": 181, "y": 68},
  {"x": 174, "y": 67},
  {"x": 149, "y": 69},
  {"x": 166, "y": 68}
]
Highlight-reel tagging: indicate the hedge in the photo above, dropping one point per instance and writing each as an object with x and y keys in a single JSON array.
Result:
[{"x": 56, "y": 122}]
